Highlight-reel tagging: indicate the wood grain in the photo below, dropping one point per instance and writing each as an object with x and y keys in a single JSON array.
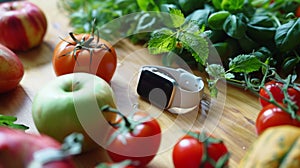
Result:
[{"x": 230, "y": 117}]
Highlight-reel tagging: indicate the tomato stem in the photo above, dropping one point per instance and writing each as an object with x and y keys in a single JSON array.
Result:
[
  {"x": 288, "y": 105},
  {"x": 107, "y": 108},
  {"x": 206, "y": 141}
]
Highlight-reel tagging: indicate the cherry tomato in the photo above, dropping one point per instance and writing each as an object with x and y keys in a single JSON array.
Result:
[
  {"x": 271, "y": 116},
  {"x": 84, "y": 53},
  {"x": 190, "y": 150},
  {"x": 137, "y": 140},
  {"x": 276, "y": 90},
  {"x": 297, "y": 12}
]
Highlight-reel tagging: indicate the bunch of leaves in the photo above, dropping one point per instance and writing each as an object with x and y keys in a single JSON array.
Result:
[
  {"x": 248, "y": 65},
  {"x": 83, "y": 13},
  {"x": 241, "y": 27},
  {"x": 9, "y": 121},
  {"x": 180, "y": 35},
  {"x": 266, "y": 28}
]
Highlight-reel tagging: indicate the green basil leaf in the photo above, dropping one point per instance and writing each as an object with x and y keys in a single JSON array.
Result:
[
  {"x": 188, "y": 6},
  {"x": 217, "y": 19},
  {"x": 217, "y": 4},
  {"x": 200, "y": 16},
  {"x": 287, "y": 35},
  {"x": 262, "y": 21},
  {"x": 223, "y": 49},
  {"x": 245, "y": 64},
  {"x": 162, "y": 41},
  {"x": 247, "y": 44},
  {"x": 235, "y": 27},
  {"x": 261, "y": 34}
]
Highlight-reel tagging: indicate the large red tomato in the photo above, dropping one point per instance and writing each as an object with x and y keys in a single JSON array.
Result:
[
  {"x": 275, "y": 89},
  {"x": 11, "y": 69},
  {"x": 85, "y": 53},
  {"x": 136, "y": 138},
  {"x": 271, "y": 116},
  {"x": 195, "y": 150}
]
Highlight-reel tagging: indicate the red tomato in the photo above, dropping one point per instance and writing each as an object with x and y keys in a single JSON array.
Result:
[
  {"x": 271, "y": 116},
  {"x": 276, "y": 89},
  {"x": 190, "y": 150},
  {"x": 84, "y": 53},
  {"x": 139, "y": 142},
  {"x": 11, "y": 69},
  {"x": 297, "y": 12}
]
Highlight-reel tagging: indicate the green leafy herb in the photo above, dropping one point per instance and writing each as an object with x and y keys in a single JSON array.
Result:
[
  {"x": 187, "y": 35},
  {"x": 287, "y": 35},
  {"x": 162, "y": 41},
  {"x": 177, "y": 17},
  {"x": 234, "y": 26},
  {"x": 8, "y": 121},
  {"x": 245, "y": 64}
]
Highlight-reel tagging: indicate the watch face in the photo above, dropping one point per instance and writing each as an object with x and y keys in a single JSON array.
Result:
[{"x": 155, "y": 87}]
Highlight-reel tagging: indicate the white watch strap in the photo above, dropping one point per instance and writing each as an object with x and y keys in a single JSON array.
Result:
[{"x": 189, "y": 91}]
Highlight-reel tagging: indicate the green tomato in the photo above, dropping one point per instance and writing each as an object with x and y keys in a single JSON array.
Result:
[{"x": 71, "y": 103}]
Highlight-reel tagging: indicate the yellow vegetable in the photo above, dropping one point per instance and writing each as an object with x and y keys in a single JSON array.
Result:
[{"x": 277, "y": 147}]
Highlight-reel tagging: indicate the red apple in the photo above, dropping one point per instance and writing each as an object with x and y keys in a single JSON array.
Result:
[
  {"x": 17, "y": 149},
  {"x": 22, "y": 25},
  {"x": 11, "y": 69}
]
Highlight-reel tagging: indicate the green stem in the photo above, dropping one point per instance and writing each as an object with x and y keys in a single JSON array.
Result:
[{"x": 107, "y": 108}]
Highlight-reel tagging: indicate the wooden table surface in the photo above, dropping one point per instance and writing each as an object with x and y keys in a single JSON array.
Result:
[{"x": 230, "y": 117}]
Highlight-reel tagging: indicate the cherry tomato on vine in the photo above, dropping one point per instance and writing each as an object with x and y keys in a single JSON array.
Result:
[
  {"x": 297, "y": 12},
  {"x": 276, "y": 90},
  {"x": 196, "y": 150},
  {"x": 136, "y": 138},
  {"x": 271, "y": 116},
  {"x": 85, "y": 53}
]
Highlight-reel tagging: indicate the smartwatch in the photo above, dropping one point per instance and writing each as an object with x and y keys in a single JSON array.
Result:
[{"x": 169, "y": 88}]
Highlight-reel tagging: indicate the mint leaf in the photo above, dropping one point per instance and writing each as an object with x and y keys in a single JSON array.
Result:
[
  {"x": 162, "y": 41},
  {"x": 216, "y": 71},
  {"x": 245, "y": 64},
  {"x": 177, "y": 17},
  {"x": 190, "y": 36},
  {"x": 8, "y": 121},
  {"x": 195, "y": 43}
]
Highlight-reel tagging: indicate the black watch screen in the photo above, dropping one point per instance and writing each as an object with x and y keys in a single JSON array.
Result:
[{"x": 156, "y": 87}]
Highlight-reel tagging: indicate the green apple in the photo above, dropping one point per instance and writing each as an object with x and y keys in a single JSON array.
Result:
[{"x": 71, "y": 103}]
